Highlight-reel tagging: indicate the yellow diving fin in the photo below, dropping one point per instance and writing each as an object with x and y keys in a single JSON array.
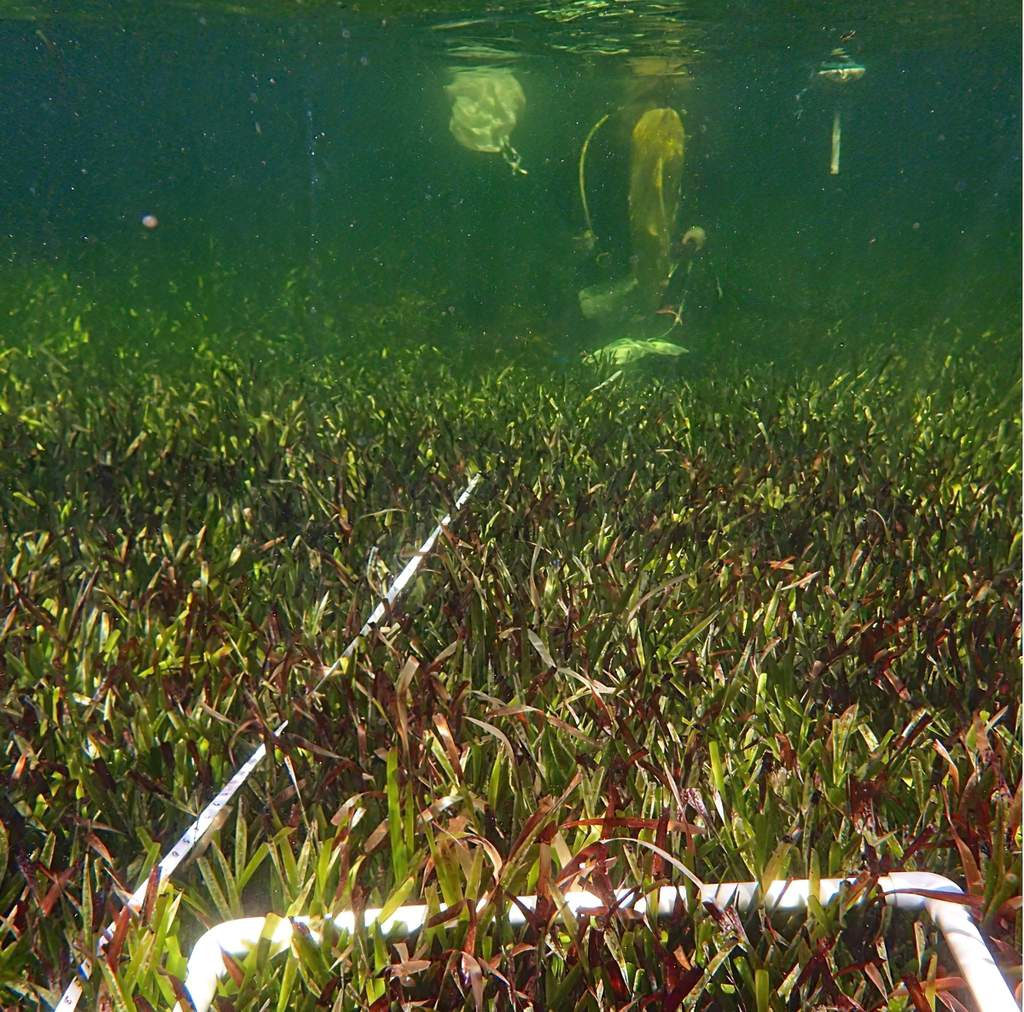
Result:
[{"x": 655, "y": 177}]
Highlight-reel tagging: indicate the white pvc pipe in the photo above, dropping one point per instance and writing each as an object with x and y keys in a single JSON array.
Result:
[
  {"x": 837, "y": 140},
  {"x": 206, "y": 966}
]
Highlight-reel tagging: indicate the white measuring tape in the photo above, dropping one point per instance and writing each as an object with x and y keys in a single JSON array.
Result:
[{"x": 216, "y": 808}]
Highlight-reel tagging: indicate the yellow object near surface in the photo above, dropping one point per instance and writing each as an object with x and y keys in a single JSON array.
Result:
[
  {"x": 655, "y": 175},
  {"x": 486, "y": 104}
]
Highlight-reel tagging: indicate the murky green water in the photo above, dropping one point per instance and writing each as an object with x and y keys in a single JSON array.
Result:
[
  {"x": 280, "y": 278},
  {"x": 300, "y": 168}
]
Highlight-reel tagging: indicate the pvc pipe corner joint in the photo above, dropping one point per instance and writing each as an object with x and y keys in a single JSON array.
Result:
[{"x": 902, "y": 890}]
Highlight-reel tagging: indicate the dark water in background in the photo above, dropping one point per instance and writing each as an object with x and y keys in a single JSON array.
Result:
[{"x": 300, "y": 163}]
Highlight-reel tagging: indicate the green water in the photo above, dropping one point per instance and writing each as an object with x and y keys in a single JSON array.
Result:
[
  {"x": 264, "y": 311},
  {"x": 310, "y": 195}
]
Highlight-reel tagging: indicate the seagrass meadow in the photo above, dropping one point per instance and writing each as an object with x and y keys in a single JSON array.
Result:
[
  {"x": 701, "y": 321},
  {"x": 761, "y": 621}
]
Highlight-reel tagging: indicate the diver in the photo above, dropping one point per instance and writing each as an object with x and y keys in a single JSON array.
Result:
[{"x": 646, "y": 312}]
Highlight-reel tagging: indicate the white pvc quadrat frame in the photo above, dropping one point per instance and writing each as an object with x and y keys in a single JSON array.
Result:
[{"x": 912, "y": 891}]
